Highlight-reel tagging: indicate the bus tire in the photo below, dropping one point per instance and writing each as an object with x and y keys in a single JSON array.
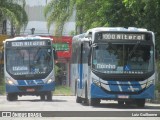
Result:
[
  {"x": 78, "y": 99},
  {"x": 86, "y": 94},
  {"x": 12, "y": 97},
  {"x": 75, "y": 92},
  {"x": 49, "y": 96},
  {"x": 129, "y": 103},
  {"x": 140, "y": 102},
  {"x": 120, "y": 102},
  {"x": 93, "y": 102},
  {"x": 42, "y": 97}
]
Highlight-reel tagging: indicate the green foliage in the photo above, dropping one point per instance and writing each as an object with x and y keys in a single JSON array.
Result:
[
  {"x": 62, "y": 90},
  {"x": 2, "y": 89},
  {"x": 158, "y": 86},
  {"x": 72, "y": 33},
  {"x": 147, "y": 14},
  {"x": 97, "y": 13},
  {"x": 57, "y": 69},
  {"x": 13, "y": 10},
  {"x": 58, "y": 11},
  {"x": 2, "y": 84}
]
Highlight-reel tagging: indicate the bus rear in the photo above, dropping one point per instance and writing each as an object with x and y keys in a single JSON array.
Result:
[{"x": 28, "y": 67}]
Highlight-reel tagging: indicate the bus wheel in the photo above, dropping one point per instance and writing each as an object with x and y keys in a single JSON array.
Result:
[
  {"x": 140, "y": 102},
  {"x": 42, "y": 97},
  {"x": 78, "y": 99},
  {"x": 93, "y": 102},
  {"x": 12, "y": 97},
  {"x": 120, "y": 102},
  {"x": 49, "y": 96},
  {"x": 129, "y": 102}
]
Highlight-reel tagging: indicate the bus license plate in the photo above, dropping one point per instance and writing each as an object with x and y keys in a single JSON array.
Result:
[
  {"x": 123, "y": 96},
  {"x": 30, "y": 90}
]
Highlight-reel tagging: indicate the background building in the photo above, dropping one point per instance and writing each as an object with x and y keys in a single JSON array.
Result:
[
  {"x": 38, "y": 23},
  {"x": 34, "y": 9}
]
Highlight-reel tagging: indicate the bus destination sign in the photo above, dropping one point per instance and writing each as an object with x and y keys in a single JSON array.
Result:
[
  {"x": 122, "y": 36},
  {"x": 27, "y": 43}
]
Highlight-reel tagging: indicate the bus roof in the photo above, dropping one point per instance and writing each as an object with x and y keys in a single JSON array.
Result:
[
  {"x": 133, "y": 29},
  {"x": 88, "y": 35},
  {"x": 120, "y": 29},
  {"x": 28, "y": 38}
]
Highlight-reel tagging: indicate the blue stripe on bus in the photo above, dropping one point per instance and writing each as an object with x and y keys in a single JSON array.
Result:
[
  {"x": 80, "y": 75},
  {"x": 45, "y": 87},
  {"x": 29, "y": 82},
  {"x": 21, "y": 82},
  {"x": 131, "y": 86},
  {"x": 113, "y": 86},
  {"x": 97, "y": 92},
  {"x": 124, "y": 86}
]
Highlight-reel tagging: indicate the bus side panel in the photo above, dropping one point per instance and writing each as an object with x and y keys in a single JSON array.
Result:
[
  {"x": 74, "y": 77},
  {"x": 85, "y": 80},
  {"x": 80, "y": 76},
  {"x": 80, "y": 80}
]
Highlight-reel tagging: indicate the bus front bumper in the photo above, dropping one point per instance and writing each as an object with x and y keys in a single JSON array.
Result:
[
  {"x": 34, "y": 90},
  {"x": 97, "y": 92}
]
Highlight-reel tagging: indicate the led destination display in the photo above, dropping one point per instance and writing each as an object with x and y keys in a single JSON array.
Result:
[
  {"x": 27, "y": 43},
  {"x": 118, "y": 36}
]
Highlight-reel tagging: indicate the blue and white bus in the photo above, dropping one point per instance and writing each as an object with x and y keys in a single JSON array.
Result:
[
  {"x": 29, "y": 67},
  {"x": 113, "y": 64}
]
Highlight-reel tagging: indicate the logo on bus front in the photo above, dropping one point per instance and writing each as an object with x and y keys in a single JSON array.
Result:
[{"x": 106, "y": 66}]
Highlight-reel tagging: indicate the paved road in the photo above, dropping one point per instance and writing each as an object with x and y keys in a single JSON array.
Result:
[{"x": 61, "y": 104}]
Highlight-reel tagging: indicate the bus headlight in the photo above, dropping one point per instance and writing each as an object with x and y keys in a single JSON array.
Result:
[
  {"x": 149, "y": 82},
  {"x": 96, "y": 82},
  {"x": 9, "y": 81},
  {"x": 50, "y": 80}
]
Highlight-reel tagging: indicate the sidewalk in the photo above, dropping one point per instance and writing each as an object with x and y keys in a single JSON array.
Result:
[{"x": 153, "y": 101}]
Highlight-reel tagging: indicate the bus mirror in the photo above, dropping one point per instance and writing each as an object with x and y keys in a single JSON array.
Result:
[
  {"x": 55, "y": 54},
  {"x": 90, "y": 43},
  {"x": 89, "y": 57}
]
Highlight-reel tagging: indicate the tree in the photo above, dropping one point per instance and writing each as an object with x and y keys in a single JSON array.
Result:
[
  {"x": 113, "y": 13},
  {"x": 105, "y": 13},
  {"x": 58, "y": 11},
  {"x": 13, "y": 10},
  {"x": 147, "y": 14}
]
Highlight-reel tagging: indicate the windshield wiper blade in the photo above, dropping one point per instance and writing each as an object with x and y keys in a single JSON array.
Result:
[{"x": 134, "y": 48}]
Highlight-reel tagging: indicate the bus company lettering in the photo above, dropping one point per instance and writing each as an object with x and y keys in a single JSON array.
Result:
[
  {"x": 19, "y": 68},
  {"x": 107, "y": 66}
]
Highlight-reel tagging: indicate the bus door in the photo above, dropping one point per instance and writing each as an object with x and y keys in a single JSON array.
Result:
[
  {"x": 84, "y": 66},
  {"x": 81, "y": 67}
]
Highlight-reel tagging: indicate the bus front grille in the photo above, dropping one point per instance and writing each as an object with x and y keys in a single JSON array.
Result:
[{"x": 25, "y": 88}]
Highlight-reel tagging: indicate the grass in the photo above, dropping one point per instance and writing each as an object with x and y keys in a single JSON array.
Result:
[
  {"x": 62, "y": 90},
  {"x": 2, "y": 89}
]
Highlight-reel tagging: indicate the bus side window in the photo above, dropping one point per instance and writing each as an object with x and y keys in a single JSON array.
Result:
[{"x": 85, "y": 52}]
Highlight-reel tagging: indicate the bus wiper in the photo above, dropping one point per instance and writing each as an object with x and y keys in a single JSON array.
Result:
[{"x": 134, "y": 48}]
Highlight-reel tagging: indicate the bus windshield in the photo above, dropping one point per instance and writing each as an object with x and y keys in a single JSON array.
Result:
[
  {"x": 123, "y": 58},
  {"x": 29, "y": 61}
]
